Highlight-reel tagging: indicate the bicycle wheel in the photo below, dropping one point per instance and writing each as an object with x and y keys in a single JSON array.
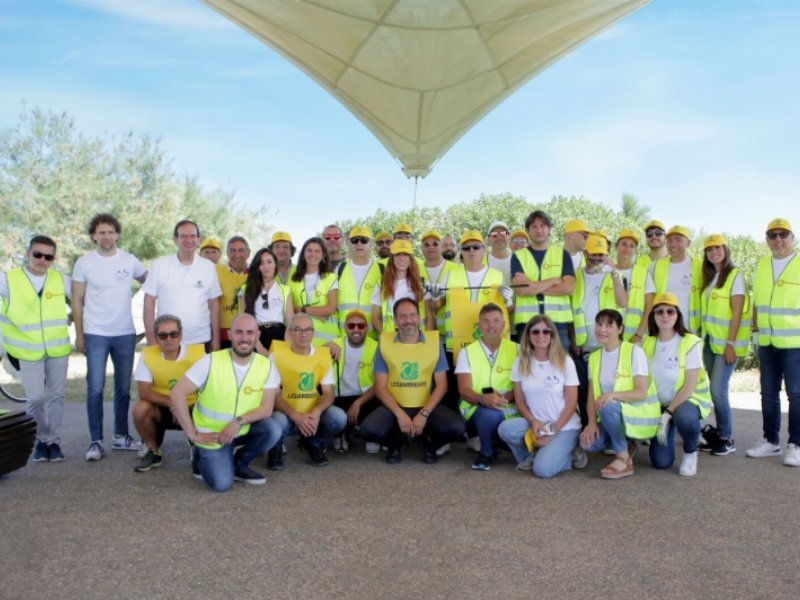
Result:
[{"x": 10, "y": 385}]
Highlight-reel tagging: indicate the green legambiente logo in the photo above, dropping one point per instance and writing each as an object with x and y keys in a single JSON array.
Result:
[
  {"x": 306, "y": 382},
  {"x": 409, "y": 371}
]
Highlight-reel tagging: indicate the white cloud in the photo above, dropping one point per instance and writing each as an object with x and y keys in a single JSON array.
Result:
[{"x": 180, "y": 13}]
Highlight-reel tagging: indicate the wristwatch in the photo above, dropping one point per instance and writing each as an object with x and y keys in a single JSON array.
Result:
[
  {"x": 240, "y": 421},
  {"x": 425, "y": 413}
]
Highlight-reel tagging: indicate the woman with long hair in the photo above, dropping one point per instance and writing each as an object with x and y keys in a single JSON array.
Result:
[
  {"x": 725, "y": 316},
  {"x": 546, "y": 395},
  {"x": 266, "y": 298},
  {"x": 315, "y": 290},
  {"x": 401, "y": 279}
]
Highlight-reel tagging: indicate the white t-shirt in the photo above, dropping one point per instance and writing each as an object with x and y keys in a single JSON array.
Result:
[
  {"x": 627, "y": 274},
  {"x": 592, "y": 284},
  {"x": 434, "y": 272},
  {"x": 664, "y": 366},
  {"x": 359, "y": 273},
  {"x": 184, "y": 291},
  {"x": 779, "y": 264},
  {"x": 107, "y": 299},
  {"x": 143, "y": 372},
  {"x": 198, "y": 373},
  {"x": 348, "y": 382},
  {"x": 544, "y": 390},
  {"x": 474, "y": 280},
  {"x": 679, "y": 282},
  {"x": 608, "y": 367},
  {"x": 737, "y": 288},
  {"x": 37, "y": 281},
  {"x": 311, "y": 282},
  {"x": 275, "y": 312},
  {"x": 503, "y": 265},
  {"x": 577, "y": 261},
  {"x": 401, "y": 290}
]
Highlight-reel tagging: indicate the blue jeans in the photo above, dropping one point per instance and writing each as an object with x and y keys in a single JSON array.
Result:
[
  {"x": 612, "y": 430},
  {"x": 98, "y": 348},
  {"x": 687, "y": 422},
  {"x": 331, "y": 423},
  {"x": 550, "y": 460},
  {"x": 719, "y": 374},
  {"x": 217, "y": 467},
  {"x": 777, "y": 365},
  {"x": 484, "y": 423}
]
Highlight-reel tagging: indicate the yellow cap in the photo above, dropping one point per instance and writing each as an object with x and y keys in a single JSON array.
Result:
[
  {"x": 628, "y": 233},
  {"x": 210, "y": 243},
  {"x": 431, "y": 234},
  {"x": 356, "y": 313},
  {"x": 281, "y": 236},
  {"x": 714, "y": 239},
  {"x": 471, "y": 235},
  {"x": 404, "y": 228},
  {"x": 600, "y": 233},
  {"x": 779, "y": 224},
  {"x": 519, "y": 233},
  {"x": 576, "y": 225},
  {"x": 596, "y": 245},
  {"x": 679, "y": 230},
  {"x": 666, "y": 298},
  {"x": 655, "y": 224},
  {"x": 402, "y": 247},
  {"x": 383, "y": 235},
  {"x": 360, "y": 231}
]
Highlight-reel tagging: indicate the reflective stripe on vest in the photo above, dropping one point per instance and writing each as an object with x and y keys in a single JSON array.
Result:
[
  {"x": 326, "y": 329},
  {"x": 458, "y": 279},
  {"x": 411, "y": 368},
  {"x": 300, "y": 374},
  {"x": 558, "y": 308},
  {"x": 606, "y": 299},
  {"x": 636, "y": 300},
  {"x": 661, "y": 277},
  {"x": 496, "y": 376},
  {"x": 352, "y": 299},
  {"x": 716, "y": 316},
  {"x": 777, "y": 304},
  {"x": 388, "y": 318},
  {"x": 166, "y": 373},
  {"x": 640, "y": 418},
  {"x": 35, "y": 326}
]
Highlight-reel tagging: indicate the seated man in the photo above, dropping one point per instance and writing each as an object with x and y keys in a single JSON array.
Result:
[
  {"x": 305, "y": 403},
  {"x": 237, "y": 394},
  {"x": 410, "y": 381},
  {"x": 483, "y": 370},
  {"x": 159, "y": 369}
]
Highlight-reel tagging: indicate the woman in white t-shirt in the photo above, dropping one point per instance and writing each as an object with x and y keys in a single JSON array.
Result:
[
  {"x": 315, "y": 290},
  {"x": 266, "y": 298},
  {"x": 725, "y": 316},
  {"x": 676, "y": 369},
  {"x": 401, "y": 279},
  {"x": 546, "y": 395}
]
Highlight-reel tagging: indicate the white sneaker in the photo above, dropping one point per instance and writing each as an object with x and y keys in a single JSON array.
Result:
[
  {"x": 689, "y": 464},
  {"x": 95, "y": 451},
  {"x": 126, "y": 442},
  {"x": 474, "y": 443},
  {"x": 764, "y": 449},
  {"x": 443, "y": 450},
  {"x": 579, "y": 458},
  {"x": 373, "y": 447},
  {"x": 792, "y": 458},
  {"x": 526, "y": 464}
]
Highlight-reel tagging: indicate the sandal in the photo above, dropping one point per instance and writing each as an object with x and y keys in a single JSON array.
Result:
[{"x": 619, "y": 468}]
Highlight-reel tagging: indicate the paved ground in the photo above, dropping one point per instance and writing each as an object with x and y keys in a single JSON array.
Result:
[{"x": 362, "y": 529}]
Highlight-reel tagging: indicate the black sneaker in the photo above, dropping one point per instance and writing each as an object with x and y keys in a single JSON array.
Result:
[
  {"x": 710, "y": 438},
  {"x": 56, "y": 455},
  {"x": 275, "y": 458},
  {"x": 41, "y": 453},
  {"x": 393, "y": 455},
  {"x": 724, "y": 448},
  {"x": 482, "y": 463},
  {"x": 429, "y": 455},
  {"x": 316, "y": 456},
  {"x": 247, "y": 475},
  {"x": 151, "y": 460}
]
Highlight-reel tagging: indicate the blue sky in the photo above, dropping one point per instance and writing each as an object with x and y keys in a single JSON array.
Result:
[{"x": 691, "y": 105}]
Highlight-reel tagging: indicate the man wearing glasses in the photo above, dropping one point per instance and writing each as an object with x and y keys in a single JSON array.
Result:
[
  {"x": 160, "y": 367},
  {"x": 358, "y": 275},
  {"x": 304, "y": 405},
  {"x": 231, "y": 278},
  {"x": 576, "y": 232},
  {"x": 383, "y": 245},
  {"x": 186, "y": 285},
  {"x": 499, "y": 256},
  {"x": 680, "y": 275},
  {"x": 283, "y": 248},
  {"x": 776, "y": 328},
  {"x": 435, "y": 269},
  {"x": 656, "y": 235},
  {"x": 36, "y": 340},
  {"x": 332, "y": 235}
]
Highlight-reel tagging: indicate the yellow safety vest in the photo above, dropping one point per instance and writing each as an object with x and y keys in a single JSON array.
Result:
[
  {"x": 606, "y": 300},
  {"x": 559, "y": 307},
  {"x": 35, "y": 326},
  {"x": 640, "y": 418},
  {"x": 701, "y": 396},
  {"x": 221, "y": 400},
  {"x": 387, "y": 317},
  {"x": 289, "y": 273},
  {"x": 366, "y": 372},
  {"x": 440, "y": 314},
  {"x": 644, "y": 261},
  {"x": 229, "y": 283},
  {"x": 660, "y": 278},
  {"x": 634, "y": 312},
  {"x": 300, "y": 374},
  {"x": 411, "y": 368},
  {"x": 166, "y": 373},
  {"x": 456, "y": 281},
  {"x": 484, "y": 374},
  {"x": 778, "y": 304},
  {"x": 716, "y": 313},
  {"x": 325, "y": 329},
  {"x": 351, "y": 299},
  {"x": 284, "y": 289}
]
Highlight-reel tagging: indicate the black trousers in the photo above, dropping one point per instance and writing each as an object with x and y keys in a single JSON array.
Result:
[
  {"x": 443, "y": 426},
  {"x": 345, "y": 402}
]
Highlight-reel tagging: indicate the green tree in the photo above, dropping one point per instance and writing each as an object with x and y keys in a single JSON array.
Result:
[{"x": 632, "y": 210}]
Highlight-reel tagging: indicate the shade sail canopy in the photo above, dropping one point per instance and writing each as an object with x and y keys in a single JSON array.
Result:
[{"x": 420, "y": 73}]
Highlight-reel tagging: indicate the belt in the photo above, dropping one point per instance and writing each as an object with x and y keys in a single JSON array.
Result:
[{"x": 270, "y": 324}]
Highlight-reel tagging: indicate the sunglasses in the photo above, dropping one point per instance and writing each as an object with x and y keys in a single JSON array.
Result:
[
  {"x": 540, "y": 332},
  {"x": 47, "y": 257},
  {"x": 265, "y": 301},
  {"x": 665, "y": 311},
  {"x": 770, "y": 234},
  {"x": 302, "y": 330},
  {"x": 169, "y": 335},
  {"x": 356, "y": 326},
  {"x": 333, "y": 237},
  {"x": 471, "y": 247},
  {"x": 655, "y": 233},
  {"x": 384, "y": 242},
  {"x": 431, "y": 244},
  {"x": 359, "y": 240}
]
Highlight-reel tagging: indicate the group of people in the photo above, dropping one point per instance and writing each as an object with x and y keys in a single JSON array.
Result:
[{"x": 506, "y": 340}]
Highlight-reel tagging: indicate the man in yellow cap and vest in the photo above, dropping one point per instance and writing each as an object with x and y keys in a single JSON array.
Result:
[
  {"x": 236, "y": 395},
  {"x": 435, "y": 269},
  {"x": 283, "y": 248},
  {"x": 638, "y": 284},
  {"x": 655, "y": 234},
  {"x": 519, "y": 240},
  {"x": 34, "y": 322},
  {"x": 680, "y": 275},
  {"x": 211, "y": 249},
  {"x": 546, "y": 276},
  {"x": 358, "y": 276},
  {"x": 160, "y": 367},
  {"x": 776, "y": 325},
  {"x": 499, "y": 255},
  {"x": 231, "y": 278},
  {"x": 305, "y": 404},
  {"x": 410, "y": 382},
  {"x": 576, "y": 232},
  {"x": 332, "y": 236},
  {"x": 383, "y": 245}
]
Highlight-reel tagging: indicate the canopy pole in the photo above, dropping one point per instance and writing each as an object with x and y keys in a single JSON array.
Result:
[{"x": 414, "y": 207}]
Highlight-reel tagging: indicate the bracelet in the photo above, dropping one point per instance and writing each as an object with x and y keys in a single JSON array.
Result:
[{"x": 729, "y": 343}]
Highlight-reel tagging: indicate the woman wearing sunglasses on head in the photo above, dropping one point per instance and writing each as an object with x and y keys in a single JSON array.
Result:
[
  {"x": 676, "y": 369},
  {"x": 622, "y": 405},
  {"x": 401, "y": 279},
  {"x": 725, "y": 316},
  {"x": 546, "y": 395},
  {"x": 315, "y": 290},
  {"x": 266, "y": 298}
]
